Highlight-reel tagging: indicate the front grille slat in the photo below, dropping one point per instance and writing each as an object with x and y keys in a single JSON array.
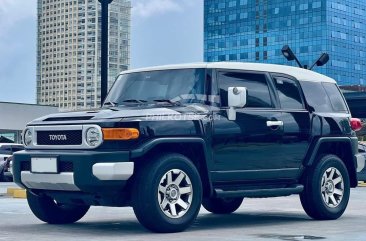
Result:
[{"x": 53, "y": 138}]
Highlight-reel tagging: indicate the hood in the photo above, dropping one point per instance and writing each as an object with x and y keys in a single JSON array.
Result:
[{"x": 121, "y": 112}]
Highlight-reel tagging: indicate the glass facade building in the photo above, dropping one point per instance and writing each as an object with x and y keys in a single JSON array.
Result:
[{"x": 256, "y": 31}]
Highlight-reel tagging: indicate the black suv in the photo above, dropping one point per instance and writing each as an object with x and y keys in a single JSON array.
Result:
[{"x": 171, "y": 138}]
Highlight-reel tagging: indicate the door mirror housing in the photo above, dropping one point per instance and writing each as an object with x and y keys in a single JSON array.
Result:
[{"x": 237, "y": 98}]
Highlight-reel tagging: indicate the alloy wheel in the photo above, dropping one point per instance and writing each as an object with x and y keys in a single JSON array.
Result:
[{"x": 175, "y": 193}]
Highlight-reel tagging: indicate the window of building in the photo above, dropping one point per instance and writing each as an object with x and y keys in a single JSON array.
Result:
[
  {"x": 258, "y": 91},
  {"x": 222, "y": 57},
  {"x": 288, "y": 93},
  {"x": 233, "y": 57},
  {"x": 232, "y": 4},
  {"x": 243, "y": 2},
  {"x": 244, "y": 56},
  {"x": 317, "y": 4},
  {"x": 304, "y": 6},
  {"x": 243, "y": 15},
  {"x": 243, "y": 42},
  {"x": 232, "y": 17}
]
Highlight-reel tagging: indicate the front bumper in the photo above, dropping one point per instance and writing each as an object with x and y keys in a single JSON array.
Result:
[{"x": 78, "y": 171}]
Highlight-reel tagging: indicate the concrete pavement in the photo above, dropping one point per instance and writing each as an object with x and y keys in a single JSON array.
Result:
[{"x": 257, "y": 219}]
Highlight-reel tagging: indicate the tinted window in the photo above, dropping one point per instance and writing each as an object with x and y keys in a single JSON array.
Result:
[
  {"x": 316, "y": 97},
  {"x": 335, "y": 97},
  {"x": 289, "y": 94},
  {"x": 258, "y": 92}
]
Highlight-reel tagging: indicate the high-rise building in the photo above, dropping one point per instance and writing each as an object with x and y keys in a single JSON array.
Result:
[
  {"x": 68, "y": 60},
  {"x": 256, "y": 31}
]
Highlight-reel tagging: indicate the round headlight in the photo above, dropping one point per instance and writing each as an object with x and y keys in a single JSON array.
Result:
[
  {"x": 27, "y": 137},
  {"x": 93, "y": 137}
]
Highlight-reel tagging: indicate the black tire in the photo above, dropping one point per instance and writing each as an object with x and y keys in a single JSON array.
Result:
[
  {"x": 222, "y": 205},
  {"x": 2, "y": 177},
  {"x": 46, "y": 210},
  {"x": 147, "y": 197},
  {"x": 7, "y": 179},
  {"x": 312, "y": 199}
]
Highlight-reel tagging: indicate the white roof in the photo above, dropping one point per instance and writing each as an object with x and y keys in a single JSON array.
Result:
[{"x": 298, "y": 73}]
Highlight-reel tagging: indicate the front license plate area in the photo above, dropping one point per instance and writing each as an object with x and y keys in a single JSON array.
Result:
[{"x": 44, "y": 165}]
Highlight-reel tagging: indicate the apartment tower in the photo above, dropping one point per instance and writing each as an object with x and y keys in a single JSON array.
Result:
[{"x": 69, "y": 56}]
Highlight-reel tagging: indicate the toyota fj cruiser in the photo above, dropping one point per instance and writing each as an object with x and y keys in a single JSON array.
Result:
[{"x": 171, "y": 138}]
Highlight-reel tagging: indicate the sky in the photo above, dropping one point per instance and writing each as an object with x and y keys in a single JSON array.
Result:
[{"x": 163, "y": 32}]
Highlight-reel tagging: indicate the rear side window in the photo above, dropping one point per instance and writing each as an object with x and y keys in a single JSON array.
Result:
[
  {"x": 316, "y": 97},
  {"x": 335, "y": 97},
  {"x": 289, "y": 93},
  {"x": 258, "y": 91},
  {"x": 324, "y": 97}
]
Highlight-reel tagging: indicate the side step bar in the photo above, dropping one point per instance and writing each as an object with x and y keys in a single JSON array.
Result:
[{"x": 259, "y": 193}]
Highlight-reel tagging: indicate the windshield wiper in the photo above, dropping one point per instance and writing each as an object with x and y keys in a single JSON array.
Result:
[
  {"x": 135, "y": 101},
  {"x": 110, "y": 103},
  {"x": 177, "y": 103}
]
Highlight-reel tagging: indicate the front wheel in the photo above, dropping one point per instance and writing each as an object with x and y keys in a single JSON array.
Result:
[
  {"x": 327, "y": 189},
  {"x": 47, "y": 210},
  {"x": 222, "y": 205},
  {"x": 167, "y": 194}
]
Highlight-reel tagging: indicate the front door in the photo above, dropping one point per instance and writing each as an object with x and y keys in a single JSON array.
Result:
[{"x": 249, "y": 148}]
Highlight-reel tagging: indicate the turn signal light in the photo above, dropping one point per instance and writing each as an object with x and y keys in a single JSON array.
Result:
[
  {"x": 356, "y": 124},
  {"x": 116, "y": 134}
]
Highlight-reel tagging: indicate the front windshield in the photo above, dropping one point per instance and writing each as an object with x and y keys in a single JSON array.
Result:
[{"x": 174, "y": 86}]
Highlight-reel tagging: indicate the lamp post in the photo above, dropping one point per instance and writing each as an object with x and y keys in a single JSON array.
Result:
[
  {"x": 289, "y": 55},
  {"x": 104, "y": 50}
]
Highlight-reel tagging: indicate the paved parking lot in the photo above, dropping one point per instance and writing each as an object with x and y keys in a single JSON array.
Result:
[{"x": 257, "y": 219}]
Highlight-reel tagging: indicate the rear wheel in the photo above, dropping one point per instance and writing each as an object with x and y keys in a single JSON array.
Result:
[
  {"x": 167, "y": 194},
  {"x": 327, "y": 189},
  {"x": 48, "y": 211},
  {"x": 222, "y": 205}
]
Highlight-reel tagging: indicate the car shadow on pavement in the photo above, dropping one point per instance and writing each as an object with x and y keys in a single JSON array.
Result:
[
  {"x": 204, "y": 222},
  {"x": 246, "y": 220}
]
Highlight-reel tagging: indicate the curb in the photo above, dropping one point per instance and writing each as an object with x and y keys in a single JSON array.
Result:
[
  {"x": 16, "y": 192},
  {"x": 20, "y": 194}
]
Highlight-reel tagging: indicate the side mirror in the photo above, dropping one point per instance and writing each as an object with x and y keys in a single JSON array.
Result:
[{"x": 237, "y": 98}]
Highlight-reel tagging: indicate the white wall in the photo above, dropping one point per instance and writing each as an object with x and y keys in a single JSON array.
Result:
[{"x": 14, "y": 116}]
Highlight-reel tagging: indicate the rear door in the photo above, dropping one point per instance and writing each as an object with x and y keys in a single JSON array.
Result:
[{"x": 296, "y": 122}]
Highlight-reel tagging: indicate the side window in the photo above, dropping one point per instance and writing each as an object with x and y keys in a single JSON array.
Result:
[
  {"x": 316, "y": 96},
  {"x": 335, "y": 97},
  {"x": 289, "y": 94},
  {"x": 258, "y": 91}
]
